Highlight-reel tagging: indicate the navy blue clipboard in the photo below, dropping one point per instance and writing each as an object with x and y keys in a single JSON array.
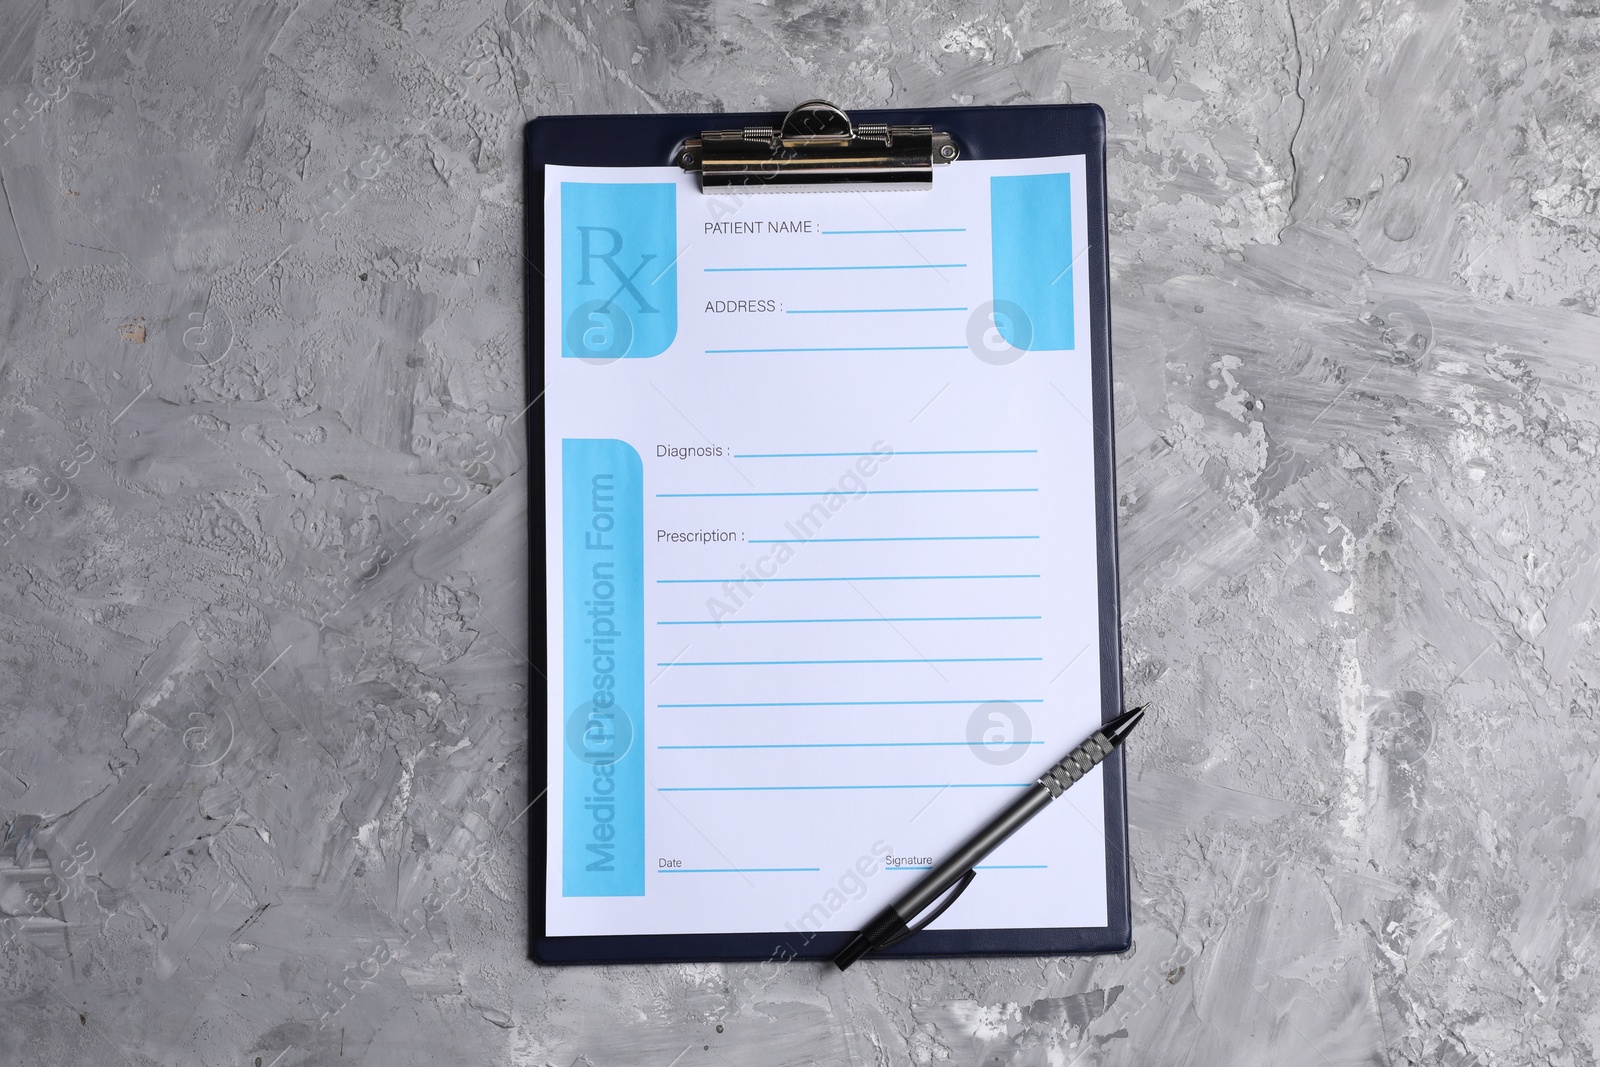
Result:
[{"x": 980, "y": 133}]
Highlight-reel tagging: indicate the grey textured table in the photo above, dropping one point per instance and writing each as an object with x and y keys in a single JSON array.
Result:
[{"x": 260, "y": 274}]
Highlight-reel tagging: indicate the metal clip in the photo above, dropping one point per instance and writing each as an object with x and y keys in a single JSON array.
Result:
[{"x": 818, "y": 146}]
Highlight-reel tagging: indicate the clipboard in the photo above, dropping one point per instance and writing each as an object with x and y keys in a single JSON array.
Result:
[{"x": 813, "y": 146}]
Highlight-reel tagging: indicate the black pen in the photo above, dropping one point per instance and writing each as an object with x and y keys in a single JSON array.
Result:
[{"x": 891, "y": 927}]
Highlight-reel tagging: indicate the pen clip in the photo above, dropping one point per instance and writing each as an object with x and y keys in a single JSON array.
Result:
[{"x": 949, "y": 899}]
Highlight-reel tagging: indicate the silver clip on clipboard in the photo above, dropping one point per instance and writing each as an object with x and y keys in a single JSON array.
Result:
[{"x": 818, "y": 146}]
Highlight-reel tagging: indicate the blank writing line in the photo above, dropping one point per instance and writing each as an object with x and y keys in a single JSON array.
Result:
[
  {"x": 941, "y": 229},
  {"x": 981, "y": 867},
  {"x": 791, "y": 788},
  {"x": 872, "y": 618},
  {"x": 855, "y": 578},
  {"x": 875, "y": 266},
  {"x": 864, "y": 311},
  {"x": 857, "y": 744},
  {"x": 848, "y": 540},
  {"x": 835, "y": 662},
  {"x": 856, "y": 348},
  {"x": 733, "y": 870},
  {"x": 941, "y": 452},
  {"x": 850, "y": 703},
  {"x": 836, "y": 492}
]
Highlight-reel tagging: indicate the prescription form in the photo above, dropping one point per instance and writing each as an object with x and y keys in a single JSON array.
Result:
[{"x": 820, "y": 548}]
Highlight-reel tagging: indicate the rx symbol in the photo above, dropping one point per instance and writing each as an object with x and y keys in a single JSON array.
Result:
[{"x": 624, "y": 279}]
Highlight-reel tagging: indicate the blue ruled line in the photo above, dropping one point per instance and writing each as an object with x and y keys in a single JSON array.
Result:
[
  {"x": 850, "y": 703},
  {"x": 864, "y": 311},
  {"x": 794, "y": 788},
  {"x": 980, "y": 867},
  {"x": 836, "y": 492},
  {"x": 875, "y": 266},
  {"x": 856, "y": 744},
  {"x": 734, "y": 870},
  {"x": 936, "y": 452},
  {"x": 876, "y": 618},
  {"x": 858, "y": 348},
  {"x": 941, "y": 229},
  {"x": 844, "y": 540},
  {"x": 857, "y": 578},
  {"x": 837, "y": 662}
]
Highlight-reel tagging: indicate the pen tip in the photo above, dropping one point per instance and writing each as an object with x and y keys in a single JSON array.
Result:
[{"x": 1117, "y": 730}]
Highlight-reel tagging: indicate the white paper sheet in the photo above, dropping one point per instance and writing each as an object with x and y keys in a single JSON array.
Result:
[{"x": 867, "y": 613}]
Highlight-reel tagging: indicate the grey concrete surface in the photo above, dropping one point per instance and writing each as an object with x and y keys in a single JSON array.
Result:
[{"x": 260, "y": 273}]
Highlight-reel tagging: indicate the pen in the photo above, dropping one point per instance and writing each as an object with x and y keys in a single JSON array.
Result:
[{"x": 891, "y": 927}]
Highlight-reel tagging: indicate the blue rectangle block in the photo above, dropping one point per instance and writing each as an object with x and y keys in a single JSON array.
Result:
[
  {"x": 1031, "y": 216},
  {"x": 619, "y": 274},
  {"x": 602, "y": 578}
]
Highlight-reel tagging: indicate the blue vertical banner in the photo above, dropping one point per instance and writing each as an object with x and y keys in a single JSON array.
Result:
[
  {"x": 1031, "y": 216},
  {"x": 602, "y": 577},
  {"x": 619, "y": 274}
]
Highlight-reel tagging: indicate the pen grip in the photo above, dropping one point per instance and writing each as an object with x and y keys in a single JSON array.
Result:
[
  {"x": 1077, "y": 763},
  {"x": 976, "y": 849}
]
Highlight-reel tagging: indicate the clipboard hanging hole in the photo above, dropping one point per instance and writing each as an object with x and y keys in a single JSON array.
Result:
[{"x": 816, "y": 120}]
